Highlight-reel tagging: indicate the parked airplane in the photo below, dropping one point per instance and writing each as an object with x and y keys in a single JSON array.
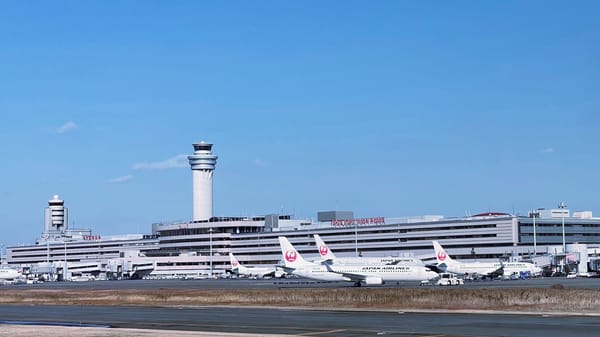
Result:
[
  {"x": 253, "y": 271},
  {"x": 296, "y": 265},
  {"x": 9, "y": 274},
  {"x": 446, "y": 263},
  {"x": 368, "y": 273},
  {"x": 328, "y": 256}
]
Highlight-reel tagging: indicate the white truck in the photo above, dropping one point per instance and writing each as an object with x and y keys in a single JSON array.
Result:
[{"x": 447, "y": 279}]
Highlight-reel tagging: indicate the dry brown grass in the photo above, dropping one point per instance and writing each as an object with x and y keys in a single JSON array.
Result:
[{"x": 537, "y": 300}]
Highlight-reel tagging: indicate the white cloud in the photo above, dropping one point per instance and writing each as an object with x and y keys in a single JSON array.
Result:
[
  {"x": 121, "y": 179},
  {"x": 178, "y": 161},
  {"x": 68, "y": 126},
  {"x": 548, "y": 150},
  {"x": 260, "y": 163}
]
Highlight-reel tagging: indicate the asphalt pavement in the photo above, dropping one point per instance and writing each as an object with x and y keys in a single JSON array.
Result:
[{"x": 306, "y": 322}]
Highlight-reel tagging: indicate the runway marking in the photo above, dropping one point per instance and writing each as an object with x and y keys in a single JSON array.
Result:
[{"x": 320, "y": 332}]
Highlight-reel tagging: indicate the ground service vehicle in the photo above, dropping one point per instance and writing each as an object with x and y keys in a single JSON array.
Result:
[{"x": 447, "y": 279}]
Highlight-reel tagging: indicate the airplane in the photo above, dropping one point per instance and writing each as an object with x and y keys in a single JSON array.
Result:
[
  {"x": 447, "y": 264},
  {"x": 9, "y": 274},
  {"x": 368, "y": 273},
  {"x": 253, "y": 271},
  {"x": 328, "y": 256}
]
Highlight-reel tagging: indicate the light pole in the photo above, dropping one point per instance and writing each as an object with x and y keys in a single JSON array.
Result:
[
  {"x": 65, "y": 268},
  {"x": 355, "y": 238},
  {"x": 210, "y": 253},
  {"x": 562, "y": 207},
  {"x": 534, "y": 237}
]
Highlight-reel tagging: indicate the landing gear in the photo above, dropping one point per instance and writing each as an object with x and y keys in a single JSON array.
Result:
[{"x": 357, "y": 284}]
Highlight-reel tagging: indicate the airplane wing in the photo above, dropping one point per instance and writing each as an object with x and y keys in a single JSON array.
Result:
[
  {"x": 499, "y": 271},
  {"x": 438, "y": 268},
  {"x": 352, "y": 276},
  {"x": 324, "y": 261},
  {"x": 494, "y": 272},
  {"x": 267, "y": 273},
  {"x": 285, "y": 269},
  {"x": 393, "y": 263}
]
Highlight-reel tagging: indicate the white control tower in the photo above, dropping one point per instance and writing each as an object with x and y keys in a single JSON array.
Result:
[
  {"x": 203, "y": 164},
  {"x": 55, "y": 216}
]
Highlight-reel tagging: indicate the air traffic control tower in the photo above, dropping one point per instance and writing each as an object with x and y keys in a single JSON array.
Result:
[
  {"x": 203, "y": 164},
  {"x": 55, "y": 216}
]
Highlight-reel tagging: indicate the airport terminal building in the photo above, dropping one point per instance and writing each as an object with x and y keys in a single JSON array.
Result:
[{"x": 556, "y": 238}]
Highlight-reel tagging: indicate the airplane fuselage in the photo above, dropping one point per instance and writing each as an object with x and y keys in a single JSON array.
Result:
[
  {"x": 518, "y": 267},
  {"x": 320, "y": 273},
  {"x": 387, "y": 273},
  {"x": 254, "y": 271},
  {"x": 376, "y": 261},
  {"x": 479, "y": 268}
]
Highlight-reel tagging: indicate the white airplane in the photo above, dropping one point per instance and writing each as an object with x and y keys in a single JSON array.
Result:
[
  {"x": 253, "y": 271},
  {"x": 446, "y": 263},
  {"x": 328, "y": 256},
  {"x": 357, "y": 273},
  {"x": 9, "y": 274}
]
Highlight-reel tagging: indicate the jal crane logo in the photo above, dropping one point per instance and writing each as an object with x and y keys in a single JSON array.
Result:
[
  {"x": 441, "y": 256},
  {"x": 290, "y": 256},
  {"x": 234, "y": 263},
  {"x": 323, "y": 250}
]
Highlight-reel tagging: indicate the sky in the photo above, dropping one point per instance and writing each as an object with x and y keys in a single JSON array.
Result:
[{"x": 383, "y": 108}]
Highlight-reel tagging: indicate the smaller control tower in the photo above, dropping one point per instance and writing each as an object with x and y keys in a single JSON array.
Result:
[
  {"x": 55, "y": 216},
  {"x": 203, "y": 164}
]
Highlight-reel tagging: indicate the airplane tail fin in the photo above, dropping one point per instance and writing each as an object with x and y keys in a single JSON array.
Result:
[
  {"x": 291, "y": 257},
  {"x": 234, "y": 262},
  {"x": 440, "y": 254},
  {"x": 324, "y": 251}
]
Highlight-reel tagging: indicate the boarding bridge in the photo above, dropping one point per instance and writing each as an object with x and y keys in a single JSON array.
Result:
[
  {"x": 594, "y": 264},
  {"x": 129, "y": 268}
]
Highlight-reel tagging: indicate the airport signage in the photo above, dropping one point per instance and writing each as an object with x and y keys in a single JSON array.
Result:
[
  {"x": 92, "y": 237},
  {"x": 363, "y": 221}
]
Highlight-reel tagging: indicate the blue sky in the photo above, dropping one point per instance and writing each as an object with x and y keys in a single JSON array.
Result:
[{"x": 384, "y": 108}]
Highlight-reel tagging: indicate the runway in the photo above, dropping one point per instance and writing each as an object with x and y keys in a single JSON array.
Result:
[
  {"x": 288, "y": 321},
  {"x": 309, "y": 322}
]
